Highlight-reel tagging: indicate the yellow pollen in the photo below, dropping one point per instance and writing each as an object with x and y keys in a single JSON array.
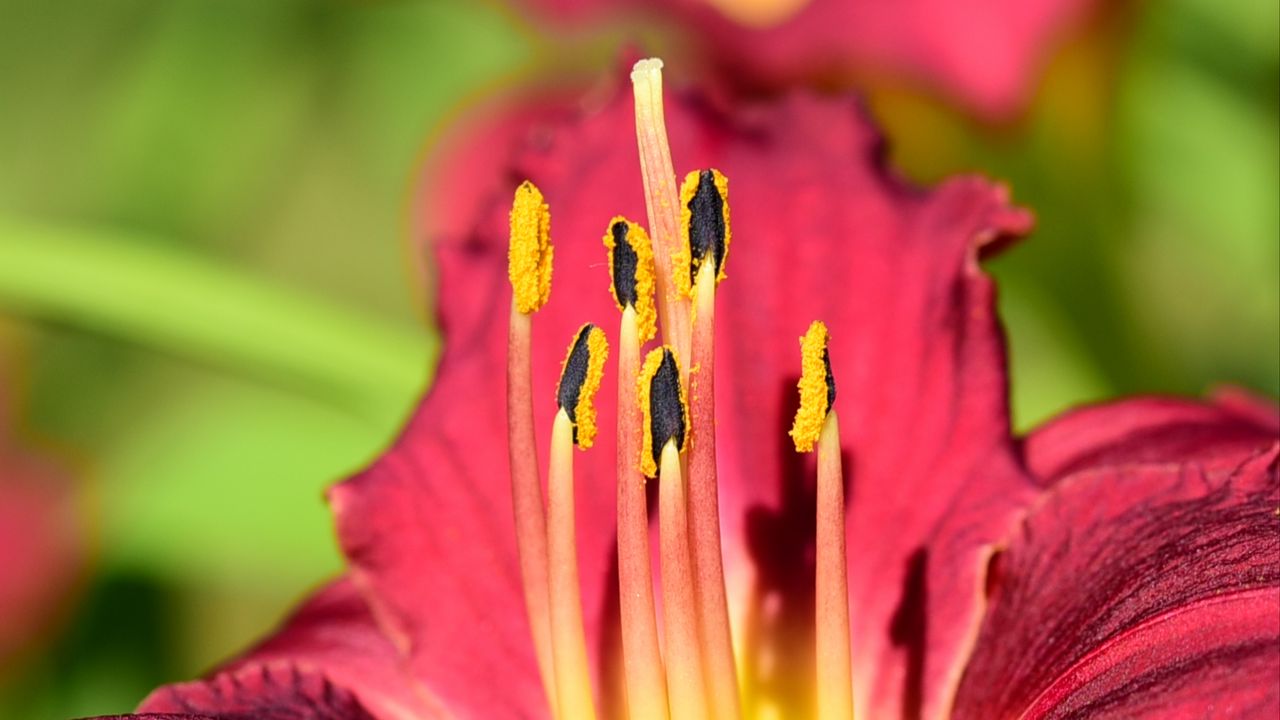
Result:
[
  {"x": 652, "y": 362},
  {"x": 814, "y": 390},
  {"x": 638, "y": 240},
  {"x": 529, "y": 255},
  {"x": 683, "y": 263}
]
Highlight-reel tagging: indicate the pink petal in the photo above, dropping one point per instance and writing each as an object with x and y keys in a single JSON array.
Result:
[
  {"x": 985, "y": 54},
  {"x": 1146, "y": 582},
  {"x": 329, "y": 660},
  {"x": 821, "y": 230}
]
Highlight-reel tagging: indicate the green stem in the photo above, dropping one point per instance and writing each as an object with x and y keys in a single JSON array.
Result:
[{"x": 133, "y": 289}]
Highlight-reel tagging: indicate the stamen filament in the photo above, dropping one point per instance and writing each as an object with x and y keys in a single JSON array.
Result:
[
  {"x": 816, "y": 424},
  {"x": 679, "y": 605},
  {"x": 529, "y": 268},
  {"x": 661, "y": 200},
  {"x": 704, "y": 511},
  {"x": 646, "y": 682},
  {"x": 835, "y": 689},
  {"x": 569, "y": 646}
]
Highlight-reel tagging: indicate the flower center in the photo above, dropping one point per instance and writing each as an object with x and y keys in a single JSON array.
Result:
[{"x": 665, "y": 430}]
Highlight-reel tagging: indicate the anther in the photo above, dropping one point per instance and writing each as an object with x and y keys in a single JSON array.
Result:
[
  {"x": 704, "y": 226},
  {"x": 530, "y": 252},
  {"x": 817, "y": 387},
  {"x": 663, "y": 405},
  {"x": 631, "y": 270},
  {"x": 580, "y": 379}
]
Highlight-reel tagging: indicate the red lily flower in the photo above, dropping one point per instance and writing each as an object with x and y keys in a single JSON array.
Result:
[
  {"x": 1122, "y": 561},
  {"x": 985, "y": 55}
]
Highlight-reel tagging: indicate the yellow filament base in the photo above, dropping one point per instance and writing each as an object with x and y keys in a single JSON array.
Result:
[
  {"x": 679, "y": 605},
  {"x": 835, "y": 688},
  {"x": 568, "y": 641}
]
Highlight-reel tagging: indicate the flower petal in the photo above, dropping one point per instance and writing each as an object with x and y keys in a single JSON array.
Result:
[
  {"x": 329, "y": 660},
  {"x": 1150, "y": 429},
  {"x": 821, "y": 231},
  {"x": 1146, "y": 582},
  {"x": 985, "y": 54}
]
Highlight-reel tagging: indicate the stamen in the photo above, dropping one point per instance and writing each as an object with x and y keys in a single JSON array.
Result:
[
  {"x": 817, "y": 396},
  {"x": 665, "y": 425},
  {"x": 660, "y": 199},
  {"x": 580, "y": 378},
  {"x": 705, "y": 228},
  {"x": 631, "y": 273},
  {"x": 529, "y": 267},
  {"x": 574, "y": 425},
  {"x": 530, "y": 253},
  {"x": 631, "y": 267}
]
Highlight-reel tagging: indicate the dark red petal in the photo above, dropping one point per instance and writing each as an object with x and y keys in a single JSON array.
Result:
[
  {"x": 1150, "y": 430},
  {"x": 262, "y": 692},
  {"x": 162, "y": 716},
  {"x": 1146, "y": 584},
  {"x": 820, "y": 231},
  {"x": 985, "y": 54},
  {"x": 329, "y": 660}
]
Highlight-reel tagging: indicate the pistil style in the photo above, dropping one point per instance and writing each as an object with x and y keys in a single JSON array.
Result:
[
  {"x": 816, "y": 423},
  {"x": 529, "y": 269},
  {"x": 664, "y": 407},
  {"x": 698, "y": 269},
  {"x": 660, "y": 200},
  {"x": 631, "y": 274},
  {"x": 574, "y": 425}
]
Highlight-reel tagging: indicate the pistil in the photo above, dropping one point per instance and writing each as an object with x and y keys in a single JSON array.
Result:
[
  {"x": 574, "y": 425},
  {"x": 816, "y": 423},
  {"x": 664, "y": 407},
  {"x": 661, "y": 200},
  {"x": 705, "y": 236},
  {"x": 631, "y": 273},
  {"x": 529, "y": 268}
]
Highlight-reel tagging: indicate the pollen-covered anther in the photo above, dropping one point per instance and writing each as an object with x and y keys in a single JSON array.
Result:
[
  {"x": 817, "y": 387},
  {"x": 631, "y": 271},
  {"x": 530, "y": 252},
  {"x": 704, "y": 227},
  {"x": 580, "y": 379},
  {"x": 663, "y": 406}
]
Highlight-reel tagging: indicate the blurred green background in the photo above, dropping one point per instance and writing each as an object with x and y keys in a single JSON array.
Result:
[{"x": 208, "y": 308}]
